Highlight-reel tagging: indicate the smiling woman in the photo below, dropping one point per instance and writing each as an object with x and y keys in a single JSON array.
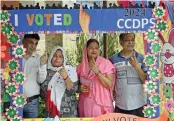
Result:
[
  {"x": 60, "y": 86},
  {"x": 96, "y": 75}
]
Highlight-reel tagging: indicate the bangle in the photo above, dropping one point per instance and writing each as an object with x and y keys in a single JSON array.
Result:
[{"x": 66, "y": 78}]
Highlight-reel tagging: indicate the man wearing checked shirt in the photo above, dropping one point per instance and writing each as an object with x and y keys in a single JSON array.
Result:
[
  {"x": 34, "y": 67},
  {"x": 131, "y": 74}
]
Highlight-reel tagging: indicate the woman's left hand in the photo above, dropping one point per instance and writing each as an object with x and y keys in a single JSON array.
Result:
[
  {"x": 63, "y": 73},
  {"x": 93, "y": 66}
]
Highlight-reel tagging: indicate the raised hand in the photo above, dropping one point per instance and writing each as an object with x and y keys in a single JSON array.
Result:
[
  {"x": 43, "y": 59},
  {"x": 133, "y": 61},
  {"x": 84, "y": 20},
  {"x": 63, "y": 73},
  {"x": 93, "y": 66}
]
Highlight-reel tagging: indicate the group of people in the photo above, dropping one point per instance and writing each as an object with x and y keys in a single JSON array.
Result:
[{"x": 99, "y": 81}]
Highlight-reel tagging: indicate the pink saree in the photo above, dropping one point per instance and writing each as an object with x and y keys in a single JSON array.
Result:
[{"x": 99, "y": 100}]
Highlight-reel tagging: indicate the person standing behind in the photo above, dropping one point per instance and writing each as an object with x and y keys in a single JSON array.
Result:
[
  {"x": 131, "y": 74},
  {"x": 34, "y": 67}
]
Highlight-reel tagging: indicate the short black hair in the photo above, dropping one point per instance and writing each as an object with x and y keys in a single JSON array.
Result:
[
  {"x": 33, "y": 36},
  {"x": 90, "y": 41},
  {"x": 122, "y": 35}
]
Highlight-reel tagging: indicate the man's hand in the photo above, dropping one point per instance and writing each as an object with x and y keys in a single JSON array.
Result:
[
  {"x": 84, "y": 20},
  {"x": 133, "y": 61},
  {"x": 43, "y": 59}
]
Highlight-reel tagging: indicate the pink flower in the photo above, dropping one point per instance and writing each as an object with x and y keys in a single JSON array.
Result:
[{"x": 169, "y": 105}]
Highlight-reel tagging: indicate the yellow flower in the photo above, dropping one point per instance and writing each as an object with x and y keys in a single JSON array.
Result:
[{"x": 6, "y": 74}]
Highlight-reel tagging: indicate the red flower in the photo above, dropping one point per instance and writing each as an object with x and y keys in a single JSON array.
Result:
[
  {"x": 4, "y": 51},
  {"x": 5, "y": 56}
]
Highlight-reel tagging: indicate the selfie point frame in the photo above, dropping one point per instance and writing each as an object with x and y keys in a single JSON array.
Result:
[{"x": 152, "y": 60}]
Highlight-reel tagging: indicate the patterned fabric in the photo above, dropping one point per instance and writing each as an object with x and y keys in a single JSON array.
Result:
[
  {"x": 44, "y": 85},
  {"x": 68, "y": 106},
  {"x": 69, "y": 103},
  {"x": 168, "y": 70}
]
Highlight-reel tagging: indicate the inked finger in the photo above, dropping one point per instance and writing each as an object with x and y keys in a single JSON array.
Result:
[{"x": 81, "y": 8}]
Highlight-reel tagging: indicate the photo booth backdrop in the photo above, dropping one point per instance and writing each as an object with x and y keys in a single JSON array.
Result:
[{"x": 165, "y": 36}]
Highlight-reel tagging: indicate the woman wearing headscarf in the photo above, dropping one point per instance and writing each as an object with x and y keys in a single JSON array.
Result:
[
  {"x": 96, "y": 75},
  {"x": 61, "y": 83}
]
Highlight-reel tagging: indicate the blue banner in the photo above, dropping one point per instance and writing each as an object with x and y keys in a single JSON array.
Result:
[
  {"x": 105, "y": 20},
  {"x": 170, "y": 6}
]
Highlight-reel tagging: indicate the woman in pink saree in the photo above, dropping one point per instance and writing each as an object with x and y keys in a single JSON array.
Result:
[{"x": 96, "y": 75}]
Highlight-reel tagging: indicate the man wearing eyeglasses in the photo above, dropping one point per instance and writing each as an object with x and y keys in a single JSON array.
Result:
[
  {"x": 131, "y": 74},
  {"x": 34, "y": 67}
]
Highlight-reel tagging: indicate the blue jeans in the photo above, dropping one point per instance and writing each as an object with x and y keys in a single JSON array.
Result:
[{"x": 31, "y": 109}]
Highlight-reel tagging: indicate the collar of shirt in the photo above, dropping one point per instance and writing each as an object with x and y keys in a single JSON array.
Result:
[
  {"x": 33, "y": 54},
  {"x": 120, "y": 55}
]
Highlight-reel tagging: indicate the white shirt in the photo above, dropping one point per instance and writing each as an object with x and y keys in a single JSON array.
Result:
[{"x": 35, "y": 73}]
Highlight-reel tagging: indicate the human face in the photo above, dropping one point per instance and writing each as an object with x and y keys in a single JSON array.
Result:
[
  {"x": 93, "y": 50},
  {"x": 31, "y": 45},
  {"x": 57, "y": 59},
  {"x": 128, "y": 42}
]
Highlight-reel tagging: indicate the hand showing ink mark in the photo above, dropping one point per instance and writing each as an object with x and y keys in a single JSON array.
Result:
[
  {"x": 133, "y": 61},
  {"x": 63, "y": 73},
  {"x": 43, "y": 59},
  {"x": 93, "y": 66},
  {"x": 84, "y": 20}
]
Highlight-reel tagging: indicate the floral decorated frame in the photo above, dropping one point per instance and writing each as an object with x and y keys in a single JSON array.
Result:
[{"x": 152, "y": 60}]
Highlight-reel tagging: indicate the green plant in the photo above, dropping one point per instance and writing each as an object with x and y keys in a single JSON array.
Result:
[
  {"x": 71, "y": 58},
  {"x": 112, "y": 44},
  {"x": 42, "y": 108},
  {"x": 80, "y": 45}
]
